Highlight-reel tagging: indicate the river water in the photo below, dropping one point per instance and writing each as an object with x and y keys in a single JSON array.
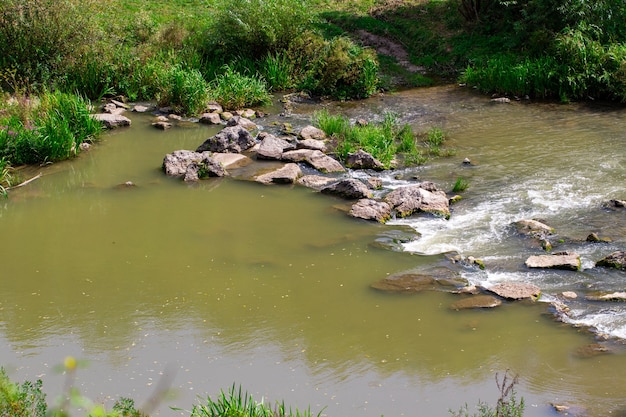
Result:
[{"x": 202, "y": 286}]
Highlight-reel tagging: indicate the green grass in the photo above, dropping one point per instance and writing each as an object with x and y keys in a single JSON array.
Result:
[
  {"x": 234, "y": 90},
  {"x": 460, "y": 185}
]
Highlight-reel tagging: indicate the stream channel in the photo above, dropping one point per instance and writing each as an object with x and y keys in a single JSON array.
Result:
[{"x": 221, "y": 282}]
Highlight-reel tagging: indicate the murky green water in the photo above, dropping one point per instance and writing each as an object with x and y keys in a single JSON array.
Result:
[{"x": 228, "y": 281}]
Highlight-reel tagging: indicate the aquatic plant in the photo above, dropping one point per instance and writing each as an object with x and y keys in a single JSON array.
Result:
[
  {"x": 234, "y": 90},
  {"x": 434, "y": 138},
  {"x": 237, "y": 403},
  {"x": 460, "y": 185},
  {"x": 507, "y": 405}
]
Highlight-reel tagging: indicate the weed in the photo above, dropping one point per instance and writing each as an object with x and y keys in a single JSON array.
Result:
[
  {"x": 507, "y": 405},
  {"x": 460, "y": 185},
  {"x": 185, "y": 90},
  {"x": 234, "y": 90}
]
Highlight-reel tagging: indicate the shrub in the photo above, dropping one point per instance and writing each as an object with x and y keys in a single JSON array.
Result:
[
  {"x": 185, "y": 90},
  {"x": 234, "y": 90},
  {"x": 43, "y": 37},
  {"x": 25, "y": 400},
  {"x": 255, "y": 28}
]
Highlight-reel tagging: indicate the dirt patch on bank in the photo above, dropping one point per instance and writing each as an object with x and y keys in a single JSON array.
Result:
[{"x": 385, "y": 46}]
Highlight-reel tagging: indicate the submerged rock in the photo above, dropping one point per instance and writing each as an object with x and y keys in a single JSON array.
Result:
[
  {"x": 614, "y": 260},
  {"x": 112, "y": 121},
  {"x": 515, "y": 290},
  {"x": 569, "y": 261},
  {"x": 476, "y": 301},
  {"x": 406, "y": 283},
  {"x": 614, "y": 296}
]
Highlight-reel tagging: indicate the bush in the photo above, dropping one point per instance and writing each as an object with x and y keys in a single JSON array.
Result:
[
  {"x": 42, "y": 38},
  {"x": 26, "y": 400},
  {"x": 234, "y": 90},
  {"x": 255, "y": 28}
]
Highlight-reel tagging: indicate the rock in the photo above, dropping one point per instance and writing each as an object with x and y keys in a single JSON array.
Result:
[
  {"x": 243, "y": 122},
  {"x": 361, "y": 122},
  {"x": 467, "y": 161},
  {"x": 248, "y": 114},
  {"x": 614, "y": 260},
  {"x": 112, "y": 121},
  {"x": 348, "y": 188},
  {"x": 120, "y": 104},
  {"x": 363, "y": 160},
  {"x": 231, "y": 160},
  {"x": 226, "y": 116},
  {"x": 210, "y": 119},
  {"x": 176, "y": 117},
  {"x": 214, "y": 108},
  {"x": 109, "y": 108},
  {"x": 406, "y": 283},
  {"x": 515, "y": 290},
  {"x": 161, "y": 119},
  {"x": 140, "y": 109},
  {"x": 316, "y": 182},
  {"x": 476, "y": 301},
  {"x": 176, "y": 163},
  {"x": 375, "y": 183},
  {"x": 411, "y": 199},
  {"x": 615, "y": 296},
  {"x": 533, "y": 228},
  {"x": 314, "y": 144},
  {"x": 272, "y": 147},
  {"x": 84, "y": 146},
  {"x": 316, "y": 159},
  {"x": 500, "y": 100},
  {"x": 162, "y": 125},
  {"x": 615, "y": 204},
  {"x": 285, "y": 175},
  {"x": 233, "y": 139},
  {"x": 311, "y": 132},
  {"x": 205, "y": 168},
  {"x": 369, "y": 209},
  {"x": 569, "y": 295},
  {"x": 591, "y": 350},
  {"x": 393, "y": 239},
  {"x": 570, "y": 410},
  {"x": 562, "y": 260},
  {"x": 125, "y": 185}
]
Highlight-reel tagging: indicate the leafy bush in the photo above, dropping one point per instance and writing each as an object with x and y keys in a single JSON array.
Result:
[
  {"x": 255, "y": 28},
  {"x": 234, "y": 90},
  {"x": 43, "y": 37},
  {"x": 185, "y": 90},
  {"x": 25, "y": 400}
]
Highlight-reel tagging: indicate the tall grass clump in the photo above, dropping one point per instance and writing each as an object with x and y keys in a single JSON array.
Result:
[
  {"x": 234, "y": 90},
  {"x": 49, "y": 127},
  {"x": 41, "y": 38},
  {"x": 277, "y": 70},
  {"x": 185, "y": 90},
  {"x": 508, "y": 405},
  {"x": 237, "y": 403},
  {"x": 385, "y": 140}
]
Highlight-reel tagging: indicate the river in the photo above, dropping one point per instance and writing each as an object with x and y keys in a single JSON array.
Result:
[{"x": 202, "y": 286}]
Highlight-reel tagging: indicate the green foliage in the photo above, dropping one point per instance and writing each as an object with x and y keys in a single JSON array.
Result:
[
  {"x": 237, "y": 403},
  {"x": 48, "y": 128},
  {"x": 384, "y": 140},
  {"x": 507, "y": 405},
  {"x": 234, "y": 90},
  {"x": 338, "y": 68},
  {"x": 6, "y": 177},
  {"x": 25, "y": 400},
  {"x": 434, "y": 139},
  {"x": 277, "y": 71},
  {"x": 42, "y": 38},
  {"x": 255, "y": 28},
  {"x": 185, "y": 90},
  {"x": 460, "y": 185}
]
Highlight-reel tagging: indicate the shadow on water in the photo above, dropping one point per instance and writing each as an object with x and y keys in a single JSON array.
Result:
[{"x": 269, "y": 287}]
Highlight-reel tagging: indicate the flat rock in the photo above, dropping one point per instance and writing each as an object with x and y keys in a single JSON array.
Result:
[
  {"x": 311, "y": 132},
  {"x": 162, "y": 125},
  {"x": 210, "y": 119},
  {"x": 285, "y": 175},
  {"x": 406, "y": 283},
  {"x": 112, "y": 121},
  {"x": 314, "y": 144},
  {"x": 614, "y": 296},
  {"x": 515, "y": 290},
  {"x": 231, "y": 160},
  {"x": 369, "y": 209},
  {"x": 317, "y": 182},
  {"x": 316, "y": 159},
  {"x": 476, "y": 301},
  {"x": 569, "y": 261}
]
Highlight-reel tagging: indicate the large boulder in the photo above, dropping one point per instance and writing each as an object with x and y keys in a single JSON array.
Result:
[
  {"x": 231, "y": 139},
  {"x": 311, "y": 132},
  {"x": 363, "y": 160},
  {"x": 349, "y": 188},
  {"x": 369, "y": 209},
  {"x": 415, "y": 198},
  {"x": 272, "y": 147},
  {"x": 515, "y": 290},
  {"x": 562, "y": 260},
  {"x": 288, "y": 174},
  {"x": 317, "y": 159},
  {"x": 192, "y": 165},
  {"x": 207, "y": 167},
  {"x": 210, "y": 119},
  {"x": 614, "y": 260},
  {"x": 314, "y": 144},
  {"x": 111, "y": 121}
]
